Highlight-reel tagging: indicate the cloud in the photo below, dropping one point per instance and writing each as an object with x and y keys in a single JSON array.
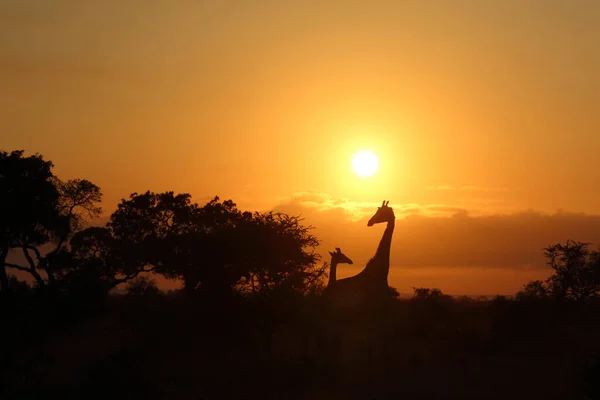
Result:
[
  {"x": 514, "y": 241},
  {"x": 442, "y": 209},
  {"x": 311, "y": 202},
  {"x": 318, "y": 202},
  {"x": 440, "y": 188},
  {"x": 446, "y": 236},
  {"x": 467, "y": 188}
]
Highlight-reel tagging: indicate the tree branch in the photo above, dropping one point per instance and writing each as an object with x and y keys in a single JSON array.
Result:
[
  {"x": 132, "y": 276},
  {"x": 43, "y": 261},
  {"x": 32, "y": 270},
  {"x": 15, "y": 266},
  {"x": 35, "y": 250},
  {"x": 28, "y": 257}
]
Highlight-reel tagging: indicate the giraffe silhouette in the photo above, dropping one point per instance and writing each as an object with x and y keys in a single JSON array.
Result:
[
  {"x": 372, "y": 282},
  {"x": 337, "y": 257},
  {"x": 360, "y": 301}
]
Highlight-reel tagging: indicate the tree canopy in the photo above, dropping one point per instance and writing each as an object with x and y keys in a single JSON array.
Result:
[
  {"x": 214, "y": 249},
  {"x": 575, "y": 274}
]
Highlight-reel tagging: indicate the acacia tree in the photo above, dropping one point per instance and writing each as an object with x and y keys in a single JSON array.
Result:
[
  {"x": 79, "y": 202},
  {"x": 140, "y": 237},
  {"x": 201, "y": 255},
  {"x": 276, "y": 253},
  {"x": 37, "y": 209},
  {"x": 149, "y": 232},
  {"x": 215, "y": 248},
  {"x": 96, "y": 261},
  {"x": 28, "y": 201},
  {"x": 576, "y": 274}
]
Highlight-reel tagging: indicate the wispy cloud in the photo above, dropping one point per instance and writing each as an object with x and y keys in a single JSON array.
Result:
[
  {"x": 354, "y": 211},
  {"x": 467, "y": 188}
]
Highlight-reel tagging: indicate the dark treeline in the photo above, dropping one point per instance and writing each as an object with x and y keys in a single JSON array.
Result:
[{"x": 250, "y": 320}]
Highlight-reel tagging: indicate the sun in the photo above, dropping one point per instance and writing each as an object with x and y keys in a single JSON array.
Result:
[{"x": 365, "y": 163}]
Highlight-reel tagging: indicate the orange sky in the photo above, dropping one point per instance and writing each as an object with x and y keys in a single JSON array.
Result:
[{"x": 485, "y": 106}]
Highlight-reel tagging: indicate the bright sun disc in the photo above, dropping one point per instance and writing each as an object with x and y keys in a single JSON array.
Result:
[{"x": 365, "y": 163}]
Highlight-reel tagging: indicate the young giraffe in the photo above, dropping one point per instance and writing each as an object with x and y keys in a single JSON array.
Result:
[
  {"x": 371, "y": 283},
  {"x": 337, "y": 257}
]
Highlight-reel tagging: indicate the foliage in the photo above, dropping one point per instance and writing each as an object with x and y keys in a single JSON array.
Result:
[
  {"x": 168, "y": 233},
  {"x": 95, "y": 255},
  {"x": 216, "y": 247},
  {"x": 576, "y": 274},
  {"x": 533, "y": 290},
  {"x": 29, "y": 201},
  {"x": 428, "y": 294},
  {"x": 39, "y": 209},
  {"x": 79, "y": 201},
  {"x": 394, "y": 292},
  {"x": 142, "y": 286},
  {"x": 276, "y": 252}
]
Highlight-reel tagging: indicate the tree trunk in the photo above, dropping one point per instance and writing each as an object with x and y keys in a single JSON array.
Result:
[{"x": 40, "y": 281}]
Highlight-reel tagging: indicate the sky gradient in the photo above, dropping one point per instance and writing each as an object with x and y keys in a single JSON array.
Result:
[{"x": 484, "y": 116}]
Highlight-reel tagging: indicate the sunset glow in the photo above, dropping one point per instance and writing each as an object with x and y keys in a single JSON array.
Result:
[
  {"x": 300, "y": 199},
  {"x": 472, "y": 128}
]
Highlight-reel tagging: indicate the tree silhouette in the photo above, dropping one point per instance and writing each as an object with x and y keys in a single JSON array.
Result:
[
  {"x": 78, "y": 203},
  {"x": 576, "y": 274},
  {"x": 428, "y": 294},
  {"x": 28, "y": 203},
  {"x": 533, "y": 290},
  {"x": 97, "y": 256},
  {"x": 37, "y": 209},
  {"x": 276, "y": 252},
  {"x": 216, "y": 247},
  {"x": 142, "y": 286},
  {"x": 167, "y": 233},
  {"x": 202, "y": 255}
]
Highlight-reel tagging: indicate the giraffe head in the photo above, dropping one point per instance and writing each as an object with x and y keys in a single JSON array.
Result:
[
  {"x": 383, "y": 214},
  {"x": 338, "y": 257}
]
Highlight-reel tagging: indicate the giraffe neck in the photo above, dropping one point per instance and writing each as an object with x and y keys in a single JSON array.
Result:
[
  {"x": 332, "y": 273},
  {"x": 381, "y": 260}
]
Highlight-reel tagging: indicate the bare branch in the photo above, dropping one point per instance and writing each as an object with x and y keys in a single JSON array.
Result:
[
  {"x": 28, "y": 257},
  {"x": 133, "y": 275},
  {"x": 35, "y": 250},
  {"x": 15, "y": 266},
  {"x": 32, "y": 269}
]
